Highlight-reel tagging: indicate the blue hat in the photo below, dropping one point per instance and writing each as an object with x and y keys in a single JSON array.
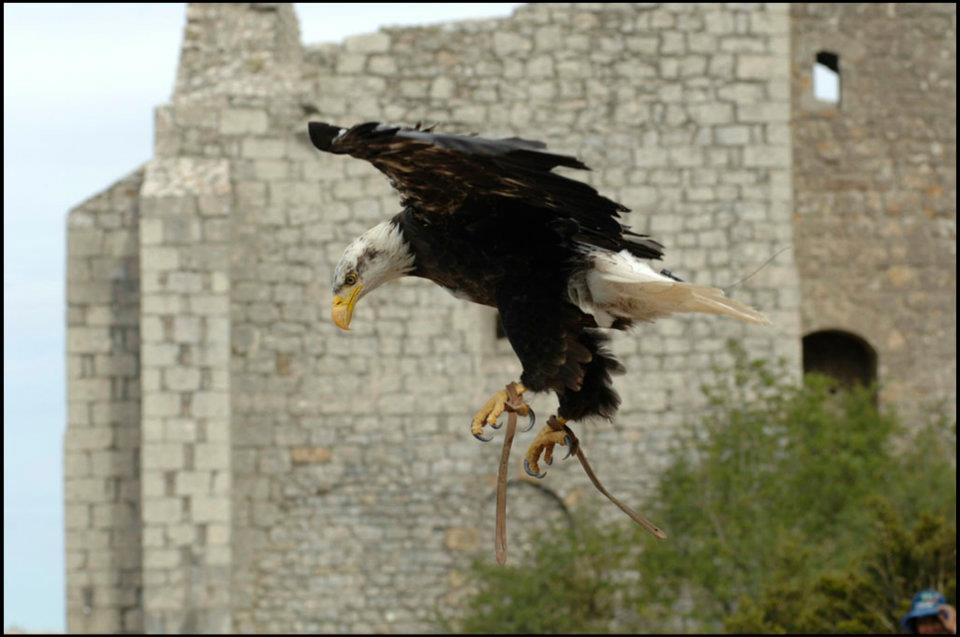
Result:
[{"x": 925, "y": 604}]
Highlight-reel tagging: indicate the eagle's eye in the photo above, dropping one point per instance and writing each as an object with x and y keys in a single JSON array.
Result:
[{"x": 351, "y": 279}]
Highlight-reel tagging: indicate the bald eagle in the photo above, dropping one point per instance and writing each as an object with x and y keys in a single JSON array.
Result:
[{"x": 489, "y": 221}]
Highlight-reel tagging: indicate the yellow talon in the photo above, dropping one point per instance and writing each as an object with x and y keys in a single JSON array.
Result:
[
  {"x": 543, "y": 444},
  {"x": 491, "y": 410}
]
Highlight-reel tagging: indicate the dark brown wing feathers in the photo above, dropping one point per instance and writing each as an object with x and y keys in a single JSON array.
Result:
[{"x": 438, "y": 173}]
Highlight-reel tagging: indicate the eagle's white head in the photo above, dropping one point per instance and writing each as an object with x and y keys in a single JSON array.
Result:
[{"x": 377, "y": 256}]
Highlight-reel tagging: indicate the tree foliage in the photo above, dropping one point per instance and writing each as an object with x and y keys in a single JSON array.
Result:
[
  {"x": 570, "y": 586},
  {"x": 784, "y": 504},
  {"x": 868, "y": 596}
]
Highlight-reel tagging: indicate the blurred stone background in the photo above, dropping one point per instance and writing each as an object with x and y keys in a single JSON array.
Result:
[{"x": 233, "y": 462}]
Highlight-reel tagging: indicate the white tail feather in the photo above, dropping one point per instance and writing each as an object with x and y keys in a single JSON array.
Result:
[
  {"x": 713, "y": 301},
  {"x": 623, "y": 286}
]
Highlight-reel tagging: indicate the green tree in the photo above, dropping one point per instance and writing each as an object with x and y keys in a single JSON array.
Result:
[
  {"x": 771, "y": 464},
  {"x": 768, "y": 495},
  {"x": 570, "y": 586},
  {"x": 871, "y": 594}
]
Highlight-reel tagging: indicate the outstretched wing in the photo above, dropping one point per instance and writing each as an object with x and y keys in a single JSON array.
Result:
[{"x": 437, "y": 174}]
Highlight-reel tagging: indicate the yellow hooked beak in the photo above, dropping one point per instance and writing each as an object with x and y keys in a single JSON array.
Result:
[{"x": 343, "y": 307}]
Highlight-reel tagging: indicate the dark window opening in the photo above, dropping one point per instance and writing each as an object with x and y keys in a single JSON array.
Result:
[
  {"x": 847, "y": 359},
  {"x": 826, "y": 77},
  {"x": 829, "y": 60}
]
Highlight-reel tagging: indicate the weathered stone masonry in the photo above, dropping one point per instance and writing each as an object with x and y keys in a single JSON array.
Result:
[
  {"x": 233, "y": 462},
  {"x": 876, "y": 191},
  {"x": 185, "y": 377}
]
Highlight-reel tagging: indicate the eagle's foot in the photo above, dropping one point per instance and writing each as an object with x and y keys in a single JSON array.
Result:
[
  {"x": 555, "y": 433},
  {"x": 498, "y": 403}
]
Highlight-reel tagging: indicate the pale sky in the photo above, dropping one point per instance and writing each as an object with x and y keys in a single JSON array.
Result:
[
  {"x": 80, "y": 83},
  {"x": 826, "y": 84}
]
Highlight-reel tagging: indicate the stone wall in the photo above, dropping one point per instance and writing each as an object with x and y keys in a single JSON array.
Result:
[
  {"x": 185, "y": 361},
  {"x": 102, "y": 441},
  {"x": 875, "y": 185},
  {"x": 295, "y": 478},
  {"x": 359, "y": 494}
]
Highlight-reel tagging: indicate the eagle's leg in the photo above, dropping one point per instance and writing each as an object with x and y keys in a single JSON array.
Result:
[
  {"x": 491, "y": 410},
  {"x": 556, "y": 432}
]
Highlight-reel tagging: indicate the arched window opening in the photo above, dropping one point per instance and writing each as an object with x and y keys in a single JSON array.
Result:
[
  {"x": 826, "y": 77},
  {"x": 844, "y": 357}
]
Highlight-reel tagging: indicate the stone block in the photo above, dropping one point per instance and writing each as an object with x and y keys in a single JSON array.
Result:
[
  {"x": 382, "y": 65},
  {"x": 692, "y": 66},
  {"x": 219, "y": 556},
  {"x": 757, "y": 67},
  {"x": 181, "y": 534},
  {"x": 709, "y": 114},
  {"x": 162, "y": 511},
  {"x": 540, "y": 66},
  {"x": 770, "y": 23},
  {"x": 690, "y": 156},
  {"x": 161, "y": 559},
  {"x": 160, "y": 304},
  {"x": 672, "y": 43},
  {"x": 368, "y": 43},
  {"x": 209, "y": 456},
  {"x": 163, "y": 456},
  {"x": 271, "y": 169},
  {"x": 209, "y": 404},
  {"x": 462, "y": 539},
  {"x": 89, "y": 438},
  {"x": 158, "y": 354},
  {"x": 741, "y": 44},
  {"x": 209, "y": 305},
  {"x": 350, "y": 63},
  {"x": 161, "y": 404},
  {"x": 88, "y": 340},
  {"x": 767, "y": 156},
  {"x": 153, "y": 329},
  {"x": 442, "y": 88},
  {"x": 213, "y": 205},
  {"x": 243, "y": 121},
  {"x": 77, "y": 516},
  {"x": 181, "y": 230},
  {"x": 263, "y": 148},
  {"x": 193, "y": 483},
  {"x": 76, "y": 463},
  {"x": 548, "y": 38},
  {"x": 90, "y": 389},
  {"x": 151, "y": 231},
  {"x": 763, "y": 112},
  {"x": 179, "y": 430},
  {"x": 507, "y": 44},
  {"x": 251, "y": 195},
  {"x": 210, "y": 509},
  {"x": 186, "y": 329},
  {"x": 154, "y": 483},
  {"x": 732, "y": 135},
  {"x": 83, "y": 242},
  {"x": 310, "y": 455},
  {"x": 218, "y": 534},
  {"x": 158, "y": 258},
  {"x": 184, "y": 282}
]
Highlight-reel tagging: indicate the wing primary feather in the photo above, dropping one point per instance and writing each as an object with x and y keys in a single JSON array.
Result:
[{"x": 438, "y": 174}]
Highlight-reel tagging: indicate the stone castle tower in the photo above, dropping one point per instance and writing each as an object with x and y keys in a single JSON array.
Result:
[{"x": 235, "y": 463}]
